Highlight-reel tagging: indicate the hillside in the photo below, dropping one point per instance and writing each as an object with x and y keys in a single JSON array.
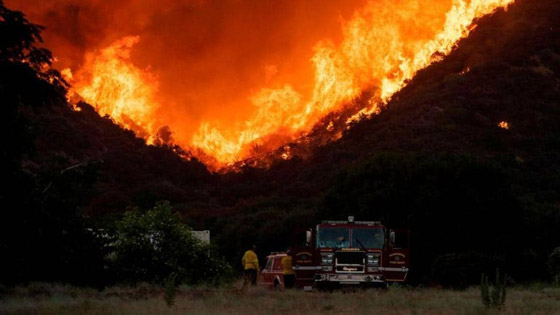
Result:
[{"x": 506, "y": 70}]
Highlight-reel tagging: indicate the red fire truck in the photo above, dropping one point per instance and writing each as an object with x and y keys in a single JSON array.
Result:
[{"x": 363, "y": 253}]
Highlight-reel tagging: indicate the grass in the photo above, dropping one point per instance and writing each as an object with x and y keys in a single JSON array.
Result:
[{"x": 146, "y": 299}]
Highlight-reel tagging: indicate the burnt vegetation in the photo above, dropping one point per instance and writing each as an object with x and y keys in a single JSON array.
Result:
[{"x": 476, "y": 196}]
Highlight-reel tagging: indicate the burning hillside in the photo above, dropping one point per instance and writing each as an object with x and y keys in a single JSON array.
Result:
[{"x": 240, "y": 79}]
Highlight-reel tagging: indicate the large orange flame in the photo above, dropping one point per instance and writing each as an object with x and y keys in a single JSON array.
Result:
[
  {"x": 384, "y": 44},
  {"x": 115, "y": 87}
]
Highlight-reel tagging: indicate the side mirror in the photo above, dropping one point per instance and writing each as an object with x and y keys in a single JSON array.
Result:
[
  {"x": 308, "y": 237},
  {"x": 392, "y": 238}
]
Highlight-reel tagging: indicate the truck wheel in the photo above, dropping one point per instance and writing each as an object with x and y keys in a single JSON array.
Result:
[{"x": 276, "y": 284}]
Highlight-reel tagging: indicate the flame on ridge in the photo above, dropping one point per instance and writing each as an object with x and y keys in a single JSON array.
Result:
[
  {"x": 384, "y": 45},
  {"x": 377, "y": 51},
  {"x": 117, "y": 88}
]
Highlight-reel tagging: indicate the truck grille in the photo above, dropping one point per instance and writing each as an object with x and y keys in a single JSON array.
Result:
[
  {"x": 350, "y": 269},
  {"x": 350, "y": 258}
]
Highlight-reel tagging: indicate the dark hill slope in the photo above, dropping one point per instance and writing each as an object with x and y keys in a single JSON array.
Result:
[
  {"x": 513, "y": 62},
  {"x": 508, "y": 69},
  {"x": 511, "y": 73},
  {"x": 49, "y": 140},
  {"x": 436, "y": 161},
  {"x": 57, "y": 165},
  {"x": 129, "y": 172}
]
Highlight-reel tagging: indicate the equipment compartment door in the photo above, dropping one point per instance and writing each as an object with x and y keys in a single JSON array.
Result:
[
  {"x": 304, "y": 266},
  {"x": 397, "y": 261}
]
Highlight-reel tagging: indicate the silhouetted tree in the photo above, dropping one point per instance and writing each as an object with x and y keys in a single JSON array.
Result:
[{"x": 19, "y": 41}]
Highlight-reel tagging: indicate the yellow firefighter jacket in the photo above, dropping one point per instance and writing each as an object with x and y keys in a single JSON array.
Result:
[
  {"x": 250, "y": 260},
  {"x": 287, "y": 268}
]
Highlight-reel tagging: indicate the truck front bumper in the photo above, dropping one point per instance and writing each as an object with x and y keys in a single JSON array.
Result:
[{"x": 347, "y": 278}]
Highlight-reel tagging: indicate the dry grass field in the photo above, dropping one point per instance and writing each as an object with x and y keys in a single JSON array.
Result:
[{"x": 145, "y": 299}]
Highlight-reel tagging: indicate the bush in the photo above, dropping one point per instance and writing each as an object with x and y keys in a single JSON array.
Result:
[
  {"x": 150, "y": 246},
  {"x": 493, "y": 295}
]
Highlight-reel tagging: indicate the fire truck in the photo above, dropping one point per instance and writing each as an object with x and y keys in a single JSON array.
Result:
[{"x": 350, "y": 252}]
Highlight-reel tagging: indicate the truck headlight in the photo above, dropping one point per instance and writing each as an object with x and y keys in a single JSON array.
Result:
[
  {"x": 327, "y": 258},
  {"x": 373, "y": 259}
]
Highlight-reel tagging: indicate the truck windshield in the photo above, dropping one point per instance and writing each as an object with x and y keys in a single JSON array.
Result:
[
  {"x": 333, "y": 237},
  {"x": 369, "y": 238}
]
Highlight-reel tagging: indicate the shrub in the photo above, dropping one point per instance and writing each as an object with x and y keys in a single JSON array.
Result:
[
  {"x": 170, "y": 289},
  {"x": 150, "y": 246},
  {"x": 493, "y": 295}
]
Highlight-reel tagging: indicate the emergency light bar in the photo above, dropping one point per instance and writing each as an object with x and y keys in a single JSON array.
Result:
[{"x": 351, "y": 220}]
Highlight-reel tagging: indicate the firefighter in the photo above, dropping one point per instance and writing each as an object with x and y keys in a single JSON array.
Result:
[
  {"x": 288, "y": 271},
  {"x": 250, "y": 263}
]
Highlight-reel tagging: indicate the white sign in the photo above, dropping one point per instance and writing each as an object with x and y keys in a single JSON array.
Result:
[{"x": 204, "y": 236}]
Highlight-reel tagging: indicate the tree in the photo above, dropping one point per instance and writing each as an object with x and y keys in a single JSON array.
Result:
[
  {"x": 43, "y": 232},
  {"x": 19, "y": 41}
]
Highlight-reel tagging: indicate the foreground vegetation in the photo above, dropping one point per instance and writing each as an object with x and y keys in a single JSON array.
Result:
[{"x": 58, "y": 299}]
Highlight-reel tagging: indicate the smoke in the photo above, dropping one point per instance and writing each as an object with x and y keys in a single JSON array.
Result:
[{"x": 210, "y": 57}]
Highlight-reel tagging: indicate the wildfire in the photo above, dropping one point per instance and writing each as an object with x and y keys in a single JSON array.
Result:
[
  {"x": 116, "y": 87},
  {"x": 275, "y": 109},
  {"x": 384, "y": 44},
  {"x": 504, "y": 125}
]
